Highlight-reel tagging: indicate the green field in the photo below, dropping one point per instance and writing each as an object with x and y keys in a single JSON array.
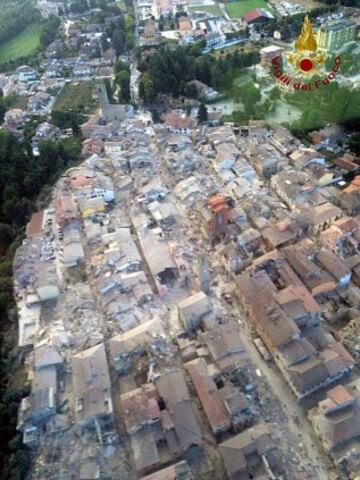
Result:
[
  {"x": 76, "y": 96},
  {"x": 121, "y": 5},
  {"x": 237, "y": 9},
  {"x": 212, "y": 9},
  {"x": 22, "y": 45}
]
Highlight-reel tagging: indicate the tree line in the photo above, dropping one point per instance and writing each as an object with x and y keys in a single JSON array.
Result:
[
  {"x": 333, "y": 103},
  {"x": 118, "y": 90},
  {"x": 345, "y": 3},
  {"x": 23, "y": 178},
  {"x": 169, "y": 70},
  {"x": 290, "y": 26},
  {"x": 49, "y": 30},
  {"x": 15, "y": 16}
]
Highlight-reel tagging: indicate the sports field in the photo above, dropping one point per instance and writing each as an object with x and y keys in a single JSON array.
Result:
[
  {"x": 22, "y": 45},
  {"x": 237, "y": 9},
  {"x": 212, "y": 9}
]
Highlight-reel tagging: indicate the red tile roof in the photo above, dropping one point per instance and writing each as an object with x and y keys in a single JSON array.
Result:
[
  {"x": 34, "y": 227},
  {"x": 175, "y": 120},
  {"x": 209, "y": 396},
  {"x": 253, "y": 15},
  {"x": 340, "y": 394}
]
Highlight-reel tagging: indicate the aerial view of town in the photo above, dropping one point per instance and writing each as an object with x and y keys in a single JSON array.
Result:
[{"x": 180, "y": 240}]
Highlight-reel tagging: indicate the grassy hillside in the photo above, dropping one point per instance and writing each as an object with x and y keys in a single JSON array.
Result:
[
  {"x": 15, "y": 16},
  {"x": 237, "y": 9},
  {"x": 24, "y": 44}
]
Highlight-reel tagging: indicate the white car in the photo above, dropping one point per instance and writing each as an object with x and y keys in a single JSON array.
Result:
[{"x": 259, "y": 344}]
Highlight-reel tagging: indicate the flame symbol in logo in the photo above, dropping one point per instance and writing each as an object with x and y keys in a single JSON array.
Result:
[
  {"x": 305, "y": 58},
  {"x": 306, "y": 40}
]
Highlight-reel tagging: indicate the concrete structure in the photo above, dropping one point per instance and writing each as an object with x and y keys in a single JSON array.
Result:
[
  {"x": 245, "y": 454},
  {"x": 193, "y": 309},
  {"x": 26, "y": 73},
  {"x": 336, "y": 419},
  {"x": 210, "y": 398},
  {"x": 225, "y": 348},
  {"x": 92, "y": 387},
  {"x": 216, "y": 216},
  {"x": 180, "y": 470},
  {"x": 333, "y": 34},
  {"x": 257, "y": 15},
  {"x": 171, "y": 430},
  {"x": 267, "y": 54},
  {"x": 307, "y": 358}
]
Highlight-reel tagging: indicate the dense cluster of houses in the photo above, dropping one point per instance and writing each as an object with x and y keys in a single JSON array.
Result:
[
  {"x": 111, "y": 271},
  {"x": 121, "y": 283}
]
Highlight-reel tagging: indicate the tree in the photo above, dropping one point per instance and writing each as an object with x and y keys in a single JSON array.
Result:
[
  {"x": 191, "y": 91},
  {"x": 202, "y": 114},
  {"x": 70, "y": 149},
  {"x": 285, "y": 32},
  {"x": 275, "y": 94},
  {"x": 354, "y": 143},
  {"x": 104, "y": 42},
  {"x": 250, "y": 96},
  {"x": 171, "y": 70},
  {"x": 120, "y": 66},
  {"x": 310, "y": 119},
  {"x": 49, "y": 30},
  {"x": 6, "y": 234},
  {"x": 109, "y": 89},
  {"x": 75, "y": 124},
  {"x": 146, "y": 88},
  {"x": 102, "y": 4},
  {"x": 2, "y": 110},
  {"x": 129, "y": 40},
  {"x": 123, "y": 81},
  {"x": 117, "y": 42}
]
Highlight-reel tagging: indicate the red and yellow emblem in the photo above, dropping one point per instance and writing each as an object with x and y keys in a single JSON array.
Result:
[{"x": 305, "y": 58}]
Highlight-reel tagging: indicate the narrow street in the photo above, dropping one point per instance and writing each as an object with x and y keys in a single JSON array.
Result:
[
  {"x": 297, "y": 421},
  {"x": 296, "y": 436},
  {"x": 134, "y": 81}
]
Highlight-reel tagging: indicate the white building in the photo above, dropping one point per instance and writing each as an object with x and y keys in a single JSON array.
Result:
[{"x": 26, "y": 74}]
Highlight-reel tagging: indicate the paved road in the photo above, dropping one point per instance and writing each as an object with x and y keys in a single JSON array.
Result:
[
  {"x": 135, "y": 74},
  {"x": 297, "y": 419},
  {"x": 293, "y": 417},
  {"x": 134, "y": 82}
]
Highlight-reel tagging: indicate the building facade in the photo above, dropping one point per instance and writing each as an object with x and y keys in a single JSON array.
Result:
[{"x": 334, "y": 34}]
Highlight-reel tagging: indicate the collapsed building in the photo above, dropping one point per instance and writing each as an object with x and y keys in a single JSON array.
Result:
[
  {"x": 250, "y": 454},
  {"x": 92, "y": 391},
  {"x": 38, "y": 412},
  {"x": 146, "y": 337},
  {"x": 308, "y": 359},
  {"x": 160, "y": 421},
  {"x": 225, "y": 408}
]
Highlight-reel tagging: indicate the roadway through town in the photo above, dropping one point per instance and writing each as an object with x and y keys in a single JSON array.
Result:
[
  {"x": 297, "y": 438},
  {"x": 296, "y": 418}
]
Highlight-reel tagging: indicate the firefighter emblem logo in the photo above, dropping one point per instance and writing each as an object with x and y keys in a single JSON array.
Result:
[
  {"x": 306, "y": 59},
  {"x": 304, "y": 68}
]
